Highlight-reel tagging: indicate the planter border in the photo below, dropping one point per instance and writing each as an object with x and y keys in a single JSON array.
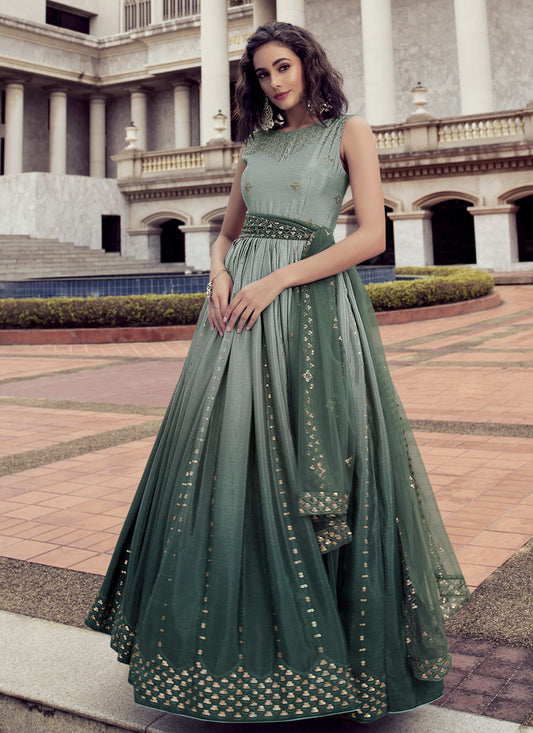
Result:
[{"x": 35, "y": 337}]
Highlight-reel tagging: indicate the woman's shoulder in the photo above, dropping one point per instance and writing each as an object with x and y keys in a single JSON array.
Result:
[
  {"x": 355, "y": 124},
  {"x": 337, "y": 125},
  {"x": 357, "y": 135},
  {"x": 344, "y": 122}
]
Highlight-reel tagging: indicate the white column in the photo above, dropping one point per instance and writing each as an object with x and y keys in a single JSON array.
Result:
[
  {"x": 413, "y": 238},
  {"x": 264, "y": 12},
  {"x": 496, "y": 236},
  {"x": 58, "y": 132},
  {"x": 14, "y": 129},
  {"x": 97, "y": 137},
  {"x": 198, "y": 241},
  {"x": 473, "y": 54},
  {"x": 182, "y": 116},
  {"x": 291, "y": 11},
  {"x": 138, "y": 116},
  {"x": 214, "y": 91},
  {"x": 378, "y": 61}
]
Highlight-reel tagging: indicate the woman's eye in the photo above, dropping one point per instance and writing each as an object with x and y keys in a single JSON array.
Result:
[
  {"x": 284, "y": 67},
  {"x": 261, "y": 75}
]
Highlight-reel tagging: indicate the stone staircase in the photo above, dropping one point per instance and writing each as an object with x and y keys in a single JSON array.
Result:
[{"x": 23, "y": 258}]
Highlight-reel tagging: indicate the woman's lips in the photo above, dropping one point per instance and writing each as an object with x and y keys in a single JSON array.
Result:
[{"x": 281, "y": 95}]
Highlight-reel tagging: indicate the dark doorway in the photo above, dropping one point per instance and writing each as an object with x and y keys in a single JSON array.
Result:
[
  {"x": 454, "y": 241},
  {"x": 524, "y": 228},
  {"x": 172, "y": 241},
  {"x": 111, "y": 233}
]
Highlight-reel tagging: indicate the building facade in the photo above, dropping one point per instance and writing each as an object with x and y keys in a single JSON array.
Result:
[{"x": 444, "y": 83}]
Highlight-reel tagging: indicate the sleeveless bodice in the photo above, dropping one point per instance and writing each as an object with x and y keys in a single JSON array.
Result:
[{"x": 296, "y": 173}]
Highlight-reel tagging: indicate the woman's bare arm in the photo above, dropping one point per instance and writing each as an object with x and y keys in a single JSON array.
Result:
[{"x": 230, "y": 230}]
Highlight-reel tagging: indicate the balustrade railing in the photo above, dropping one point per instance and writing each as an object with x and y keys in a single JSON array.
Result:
[
  {"x": 486, "y": 129},
  {"x": 180, "y": 8},
  {"x": 137, "y": 14},
  {"x": 479, "y": 130},
  {"x": 389, "y": 139},
  {"x": 412, "y": 136},
  {"x": 180, "y": 160}
]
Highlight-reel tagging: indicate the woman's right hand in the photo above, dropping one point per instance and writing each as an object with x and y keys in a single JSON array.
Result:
[{"x": 219, "y": 301}]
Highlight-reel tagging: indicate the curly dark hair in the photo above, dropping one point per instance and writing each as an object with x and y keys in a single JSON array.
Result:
[{"x": 322, "y": 83}]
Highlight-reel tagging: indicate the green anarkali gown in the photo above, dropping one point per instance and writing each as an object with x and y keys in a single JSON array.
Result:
[{"x": 284, "y": 556}]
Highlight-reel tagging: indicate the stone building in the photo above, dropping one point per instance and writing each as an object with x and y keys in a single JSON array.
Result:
[{"x": 444, "y": 83}]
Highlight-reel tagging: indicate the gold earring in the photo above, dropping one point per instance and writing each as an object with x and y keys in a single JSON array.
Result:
[{"x": 267, "y": 118}]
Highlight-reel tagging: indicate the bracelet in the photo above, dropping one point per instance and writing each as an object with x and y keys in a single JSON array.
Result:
[{"x": 209, "y": 288}]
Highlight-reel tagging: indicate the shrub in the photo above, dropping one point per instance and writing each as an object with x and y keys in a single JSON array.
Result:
[
  {"x": 435, "y": 286},
  {"x": 110, "y": 312}
]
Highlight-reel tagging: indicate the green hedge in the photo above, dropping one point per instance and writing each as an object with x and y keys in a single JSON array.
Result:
[
  {"x": 110, "y": 312},
  {"x": 435, "y": 285}
]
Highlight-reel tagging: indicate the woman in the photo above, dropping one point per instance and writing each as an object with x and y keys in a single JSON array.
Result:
[{"x": 284, "y": 556}]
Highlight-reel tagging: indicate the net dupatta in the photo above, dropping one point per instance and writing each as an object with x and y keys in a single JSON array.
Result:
[
  {"x": 321, "y": 403},
  {"x": 327, "y": 443},
  {"x": 320, "y": 389},
  {"x": 434, "y": 587}
]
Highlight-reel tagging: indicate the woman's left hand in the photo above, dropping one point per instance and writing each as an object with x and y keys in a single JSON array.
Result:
[{"x": 251, "y": 301}]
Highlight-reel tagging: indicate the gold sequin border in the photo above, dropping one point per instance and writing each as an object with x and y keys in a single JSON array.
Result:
[
  {"x": 335, "y": 534},
  {"x": 328, "y": 689}
]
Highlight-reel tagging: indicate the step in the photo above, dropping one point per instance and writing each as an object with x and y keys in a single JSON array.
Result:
[
  {"x": 516, "y": 277},
  {"x": 61, "y": 679},
  {"x": 19, "y": 255}
]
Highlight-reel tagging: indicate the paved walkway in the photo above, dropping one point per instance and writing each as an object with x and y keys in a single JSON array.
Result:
[{"x": 77, "y": 423}]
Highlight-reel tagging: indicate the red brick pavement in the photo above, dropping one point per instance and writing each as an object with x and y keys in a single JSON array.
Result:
[
  {"x": 482, "y": 481},
  {"x": 453, "y": 374}
]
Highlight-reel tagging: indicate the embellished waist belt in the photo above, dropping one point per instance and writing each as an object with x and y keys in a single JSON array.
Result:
[{"x": 279, "y": 227}]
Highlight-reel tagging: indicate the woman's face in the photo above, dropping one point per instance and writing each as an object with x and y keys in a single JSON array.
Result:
[{"x": 281, "y": 75}]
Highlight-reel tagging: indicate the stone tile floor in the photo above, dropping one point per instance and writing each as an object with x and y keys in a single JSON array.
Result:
[
  {"x": 77, "y": 424},
  {"x": 487, "y": 679}
]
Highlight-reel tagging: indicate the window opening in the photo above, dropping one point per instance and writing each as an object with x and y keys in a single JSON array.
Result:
[{"x": 67, "y": 19}]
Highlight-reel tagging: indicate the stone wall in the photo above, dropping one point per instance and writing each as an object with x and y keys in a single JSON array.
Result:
[
  {"x": 67, "y": 208},
  {"x": 425, "y": 50}
]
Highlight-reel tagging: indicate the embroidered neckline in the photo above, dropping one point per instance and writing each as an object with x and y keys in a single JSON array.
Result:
[
  {"x": 298, "y": 129},
  {"x": 279, "y": 144}
]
